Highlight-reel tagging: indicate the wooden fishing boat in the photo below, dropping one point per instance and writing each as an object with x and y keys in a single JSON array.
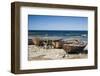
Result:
[{"x": 74, "y": 46}]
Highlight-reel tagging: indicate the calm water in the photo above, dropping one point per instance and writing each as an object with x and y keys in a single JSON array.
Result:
[{"x": 82, "y": 35}]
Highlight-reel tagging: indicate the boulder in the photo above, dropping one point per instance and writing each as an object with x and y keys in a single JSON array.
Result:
[{"x": 36, "y": 41}]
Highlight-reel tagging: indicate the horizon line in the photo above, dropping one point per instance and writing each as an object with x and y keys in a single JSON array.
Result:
[{"x": 57, "y": 30}]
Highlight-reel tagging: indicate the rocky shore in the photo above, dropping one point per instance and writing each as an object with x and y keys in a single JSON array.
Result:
[
  {"x": 46, "y": 48},
  {"x": 39, "y": 53}
]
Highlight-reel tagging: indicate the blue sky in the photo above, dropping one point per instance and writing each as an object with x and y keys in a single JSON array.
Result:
[{"x": 47, "y": 22}]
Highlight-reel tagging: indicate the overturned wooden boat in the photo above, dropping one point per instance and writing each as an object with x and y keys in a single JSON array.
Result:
[{"x": 74, "y": 46}]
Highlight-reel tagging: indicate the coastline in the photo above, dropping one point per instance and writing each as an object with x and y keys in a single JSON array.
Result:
[{"x": 39, "y": 53}]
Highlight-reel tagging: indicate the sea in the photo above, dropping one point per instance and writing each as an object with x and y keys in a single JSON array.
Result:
[{"x": 69, "y": 34}]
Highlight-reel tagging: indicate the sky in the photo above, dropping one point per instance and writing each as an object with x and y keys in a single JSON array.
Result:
[{"x": 47, "y": 22}]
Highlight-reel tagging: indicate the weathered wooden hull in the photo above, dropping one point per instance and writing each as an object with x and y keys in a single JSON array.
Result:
[{"x": 73, "y": 49}]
